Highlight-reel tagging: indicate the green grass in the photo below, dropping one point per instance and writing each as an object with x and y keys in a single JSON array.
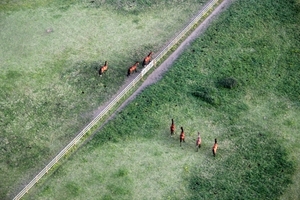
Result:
[
  {"x": 49, "y": 81},
  {"x": 256, "y": 43}
]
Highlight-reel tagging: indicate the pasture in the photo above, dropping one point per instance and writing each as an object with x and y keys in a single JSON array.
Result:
[
  {"x": 50, "y": 54},
  {"x": 238, "y": 82}
]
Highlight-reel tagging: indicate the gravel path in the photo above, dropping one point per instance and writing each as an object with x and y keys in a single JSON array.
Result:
[{"x": 157, "y": 74}]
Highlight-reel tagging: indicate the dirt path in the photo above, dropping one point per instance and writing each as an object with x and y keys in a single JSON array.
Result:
[{"x": 158, "y": 73}]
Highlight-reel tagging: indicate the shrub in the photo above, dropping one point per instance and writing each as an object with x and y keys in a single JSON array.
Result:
[
  {"x": 208, "y": 95},
  {"x": 228, "y": 82}
]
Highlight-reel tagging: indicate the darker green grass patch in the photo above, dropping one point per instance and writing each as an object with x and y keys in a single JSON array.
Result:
[
  {"x": 116, "y": 190},
  {"x": 72, "y": 190},
  {"x": 13, "y": 75},
  {"x": 208, "y": 95},
  {"x": 258, "y": 168},
  {"x": 122, "y": 172}
]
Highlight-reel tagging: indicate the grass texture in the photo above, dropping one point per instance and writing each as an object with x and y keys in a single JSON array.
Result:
[
  {"x": 50, "y": 53},
  {"x": 237, "y": 83}
]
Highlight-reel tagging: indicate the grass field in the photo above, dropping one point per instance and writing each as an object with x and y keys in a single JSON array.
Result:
[
  {"x": 49, "y": 80},
  {"x": 239, "y": 82}
]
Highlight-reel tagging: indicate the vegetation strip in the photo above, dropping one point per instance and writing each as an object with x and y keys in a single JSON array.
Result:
[{"x": 206, "y": 9}]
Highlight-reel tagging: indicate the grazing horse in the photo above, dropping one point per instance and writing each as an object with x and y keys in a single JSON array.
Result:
[
  {"x": 198, "y": 142},
  {"x": 182, "y": 136},
  {"x": 172, "y": 128},
  {"x": 132, "y": 69},
  {"x": 103, "y": 68},
  {"x": 147, "y": 59},
  {"x": 215, "y": 147}
]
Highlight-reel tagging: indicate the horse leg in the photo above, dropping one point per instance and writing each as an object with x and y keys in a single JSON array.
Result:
[{"x": 198, "y": 147}]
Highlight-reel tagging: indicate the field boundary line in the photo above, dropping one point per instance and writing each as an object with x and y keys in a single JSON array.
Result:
[{"x": 204, "y": 11}]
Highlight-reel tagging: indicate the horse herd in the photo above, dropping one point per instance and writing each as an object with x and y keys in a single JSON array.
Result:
[
  {"x": 131, "y": 69},
  {"x": 198, "y": 140}
]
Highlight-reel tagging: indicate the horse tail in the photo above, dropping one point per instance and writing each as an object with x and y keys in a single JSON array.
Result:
[
  {"x": 128, "y": 72},
  {"x": 172, "y": 127}
]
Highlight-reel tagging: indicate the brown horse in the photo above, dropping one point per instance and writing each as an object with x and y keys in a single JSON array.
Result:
[
  {"x": 103, "y": 68},
  {"x": 172, "y": 128},
  {"x": 182, "y": 136},
  {"x": 147, "y": 59},
  {"x": 215, "y": 147},
  {"x": 198, "y": 142},
  {"x": 132, "y": 69}
]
